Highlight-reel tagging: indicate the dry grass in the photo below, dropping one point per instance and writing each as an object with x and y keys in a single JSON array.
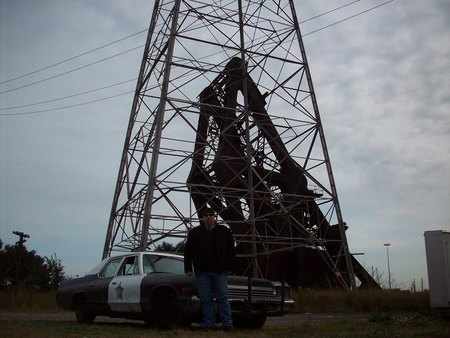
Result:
[
  {"x": 28, "y": 301},
  {"x": 314, "y": 301},
  {"x": 372, "y": 300}
]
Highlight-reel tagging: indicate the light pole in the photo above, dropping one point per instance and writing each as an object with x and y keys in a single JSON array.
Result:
[{"x": 389, "y": 268}]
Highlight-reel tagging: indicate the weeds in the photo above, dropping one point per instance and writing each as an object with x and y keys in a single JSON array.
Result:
[
  {"x": 371, "y": 300},
  {"x": 24, "y": 300}
]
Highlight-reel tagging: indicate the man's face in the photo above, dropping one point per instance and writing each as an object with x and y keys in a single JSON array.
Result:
[{"x": 209, "y": 219}]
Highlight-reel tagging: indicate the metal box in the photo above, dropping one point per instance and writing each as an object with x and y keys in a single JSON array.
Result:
[{"x": 437, "y": 246}]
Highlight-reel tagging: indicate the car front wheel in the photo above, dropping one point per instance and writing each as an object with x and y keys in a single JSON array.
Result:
[
  {"x": 170, "y": 313},
  {"x": 83, "y": 312}
]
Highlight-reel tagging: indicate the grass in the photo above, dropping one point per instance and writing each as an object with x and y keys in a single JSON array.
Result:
[
  {"x": 389, "y": 313},
  {"x": 53, "y": 329}
]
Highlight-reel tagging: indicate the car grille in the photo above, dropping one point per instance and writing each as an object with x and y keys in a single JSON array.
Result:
[{"x": 241, "y": 292}]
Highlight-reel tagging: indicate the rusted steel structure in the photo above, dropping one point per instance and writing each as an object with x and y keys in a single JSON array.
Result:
[{"x": 225, "y": 116}]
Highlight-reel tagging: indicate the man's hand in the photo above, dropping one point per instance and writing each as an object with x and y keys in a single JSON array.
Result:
[{"x": 189, "y": 273}]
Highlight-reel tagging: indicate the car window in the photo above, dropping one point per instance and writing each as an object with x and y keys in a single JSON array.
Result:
[
  {"x": 163, "y": 264},
  {"x": 98, "y": 267},
  {"x": 129, "y": 266},
  {"x": 110, "y": 270},
  {"x": 148, "y": 264}
]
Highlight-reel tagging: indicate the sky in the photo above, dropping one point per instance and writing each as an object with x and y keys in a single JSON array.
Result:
[{"x": 382, "y": 81}]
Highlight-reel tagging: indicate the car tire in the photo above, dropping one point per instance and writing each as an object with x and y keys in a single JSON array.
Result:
[
  {"x": 170, "y": 313},
  {"x": 83, "y": 312}
]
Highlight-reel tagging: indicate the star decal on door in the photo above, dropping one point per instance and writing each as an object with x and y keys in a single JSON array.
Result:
[{"x": 119, "y": 291}]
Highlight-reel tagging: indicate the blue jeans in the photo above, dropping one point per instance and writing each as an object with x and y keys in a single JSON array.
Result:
[{"x": 210, "y": 286}]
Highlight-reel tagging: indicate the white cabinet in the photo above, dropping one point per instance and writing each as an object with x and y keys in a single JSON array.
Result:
[{"x": 437, "y": 246}]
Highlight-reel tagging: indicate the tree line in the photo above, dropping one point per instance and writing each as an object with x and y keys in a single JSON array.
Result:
[{"x": 22, "y": 268}]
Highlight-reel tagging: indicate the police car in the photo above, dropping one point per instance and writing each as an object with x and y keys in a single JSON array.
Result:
[{"x": 152, "y": 286}]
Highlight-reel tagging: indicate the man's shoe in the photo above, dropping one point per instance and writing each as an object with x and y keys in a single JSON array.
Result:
[{"x": 228, "y": 328}]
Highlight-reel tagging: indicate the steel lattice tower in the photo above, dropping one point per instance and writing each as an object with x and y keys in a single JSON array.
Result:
[{"x": 225, "y": 115}]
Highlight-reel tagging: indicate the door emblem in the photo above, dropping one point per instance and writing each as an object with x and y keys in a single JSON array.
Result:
[{"x": 119, "y": 291}]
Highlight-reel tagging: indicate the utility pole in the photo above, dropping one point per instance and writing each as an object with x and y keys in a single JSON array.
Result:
[
  {"x": 22, "y": 237},
  {"x": 19, "y": 243}
]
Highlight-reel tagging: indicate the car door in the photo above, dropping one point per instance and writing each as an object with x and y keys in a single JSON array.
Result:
[
  {"x": 97, "y": 292},
  {"x": 124, "y": 292}
]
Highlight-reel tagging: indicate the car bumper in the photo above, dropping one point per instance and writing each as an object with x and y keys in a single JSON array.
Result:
[{"x": 271, "y": 307}]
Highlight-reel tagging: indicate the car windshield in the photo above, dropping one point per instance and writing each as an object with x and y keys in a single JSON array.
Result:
[{"x": 154, "y": 263}]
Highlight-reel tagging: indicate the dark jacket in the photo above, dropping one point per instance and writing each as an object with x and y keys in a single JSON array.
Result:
[{"x": 197, "y": 250}]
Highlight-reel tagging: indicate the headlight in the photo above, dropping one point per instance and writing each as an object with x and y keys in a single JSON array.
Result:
[{"x": 277, "y": 290}]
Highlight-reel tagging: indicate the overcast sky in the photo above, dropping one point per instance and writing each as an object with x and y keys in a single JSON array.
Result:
[{"x": 382, "y": 80}]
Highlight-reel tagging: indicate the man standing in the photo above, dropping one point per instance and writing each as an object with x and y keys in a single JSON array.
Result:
[{"x": 210, "y": 250}]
